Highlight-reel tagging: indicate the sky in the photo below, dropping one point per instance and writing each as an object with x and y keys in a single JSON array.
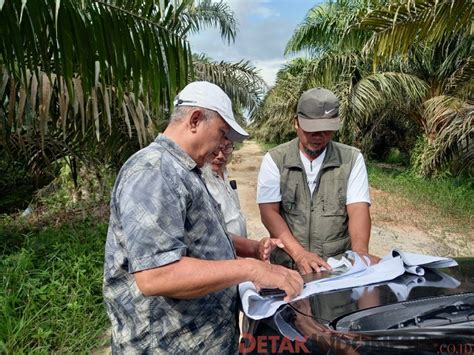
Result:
[{"x": 264, "y": 28}]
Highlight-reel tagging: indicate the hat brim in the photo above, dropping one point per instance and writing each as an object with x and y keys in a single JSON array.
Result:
[
  {"x": 236, "y": 133},
  {"x": 319, "y": 124}
]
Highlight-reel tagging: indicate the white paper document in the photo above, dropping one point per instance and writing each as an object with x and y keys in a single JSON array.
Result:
[
  {"x": 403, "y": 285},
  {"x": 414, "y": 263},
  {"x": 346, "y": 275},
  {"x": 402, "y": 288}
]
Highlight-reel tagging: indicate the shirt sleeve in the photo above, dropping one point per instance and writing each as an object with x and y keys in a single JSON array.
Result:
[
  {"x": 268, "y": 187},
  {"x": 358, "y": 185},
  {"x": 152, "y": 216}
]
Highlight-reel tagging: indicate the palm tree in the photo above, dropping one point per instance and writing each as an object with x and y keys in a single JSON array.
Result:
[
  {"x": 433, "y": 40},
  {"x": 273, "y": 119},
  {"x": 334, "y": 62},
  {"x": 132, "y": 47},
  {"x": 91, "y": 79},
  {"x": 399, "y": 27},
  {"x": 240, "y": 80},
  {"x": 428, "y": 82}
]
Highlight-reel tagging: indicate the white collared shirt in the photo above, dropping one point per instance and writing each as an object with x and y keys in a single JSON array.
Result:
[
  {"x": 268, "y": 188},
  {"x": 228, "y": 199}
]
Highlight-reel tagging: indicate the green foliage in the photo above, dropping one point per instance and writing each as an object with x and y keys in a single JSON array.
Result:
[
  {"x": 417, "y": 154},
  {"x": 95, "y": 80},
  {"x": 399, "y": 26},
  {"x": 51, "y": 292},
  {"x": 239, "y": 80},
  {"x": 76, "y": 183},
  {"x": 394, "y": 157},
  {"x": 454, "y": 196},
  {"x": 325, "y": 28},
  {"x": 11, "y": 172},
  {"x": 380, "y": 139},
  {"x": 51, "y": 266},
  {"x": 267, "y": 146},
  {"x": 273, "y": 121},
  {"x": 90, "y": 50},
  {"x": 387, "y": 61}
]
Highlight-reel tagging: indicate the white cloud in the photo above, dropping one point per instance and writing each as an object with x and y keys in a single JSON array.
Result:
[
  {"x": 265, "y": 26},
  {"x": 260, "y": 8},
  {"x": 265, "y": 12},
  {"x": 268, "y": 69}
]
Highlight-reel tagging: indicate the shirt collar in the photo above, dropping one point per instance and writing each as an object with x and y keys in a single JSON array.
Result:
[
  {"x": 318, "y": 160},
  {"x": 175, "y": 149}
]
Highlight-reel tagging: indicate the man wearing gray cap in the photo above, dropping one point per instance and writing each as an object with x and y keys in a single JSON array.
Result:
[
  {"x": 171, "y": 269},
  {"x": 312, "y": 192}
]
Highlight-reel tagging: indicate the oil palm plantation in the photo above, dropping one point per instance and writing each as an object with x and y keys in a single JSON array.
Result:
[
  {"x": 94, "y": 79},
  {"x": 406, "y": 64},
  {"x": 333, "y": 60},
  {"x": 433, "y": 41}
]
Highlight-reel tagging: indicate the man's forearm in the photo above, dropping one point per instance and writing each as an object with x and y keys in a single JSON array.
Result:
[
  {"x": 191, "y": 277},
  {"x": 359, "y": 226},
  {"x": 244, "y": 247}
]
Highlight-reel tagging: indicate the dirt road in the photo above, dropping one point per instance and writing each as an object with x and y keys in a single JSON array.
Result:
[{"x": 395, "y": 222}]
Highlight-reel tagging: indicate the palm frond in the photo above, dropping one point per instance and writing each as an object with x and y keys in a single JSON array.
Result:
[
  {"x": 461, "y": 82},
  {"x": 273, "y": 120},
  {"x": 239, "y": 80},
  {"x": 450, "y": 134},
  {"x": 209, "y": 14},
  {"x": 386, "y": 91},
  {"x": 113, "y": 42},
  {"x": 326, "y": 27},
  {"x": 401, "y": 25},
  {"x": 334, "y": 67}
]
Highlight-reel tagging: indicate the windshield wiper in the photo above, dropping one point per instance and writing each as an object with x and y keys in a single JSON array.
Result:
[{"x": 457, "y": 312}]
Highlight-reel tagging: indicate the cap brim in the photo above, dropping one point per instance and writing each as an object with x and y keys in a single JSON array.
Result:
[
  {"x": 236, "y": 133},
  {"x": 319, "y": 124}
]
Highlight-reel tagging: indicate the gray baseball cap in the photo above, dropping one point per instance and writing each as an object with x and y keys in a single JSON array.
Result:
[{"x": 318, "y": 110}]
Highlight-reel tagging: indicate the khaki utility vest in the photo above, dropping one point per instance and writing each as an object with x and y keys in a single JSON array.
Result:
[{"x": 318, "y": 222}]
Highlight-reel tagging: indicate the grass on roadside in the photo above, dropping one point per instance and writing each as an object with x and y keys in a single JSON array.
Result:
[
  {"x": 267, "y": 146},
  {"x": 453, "y": 197},
  {"x": 51, "y": 292}
]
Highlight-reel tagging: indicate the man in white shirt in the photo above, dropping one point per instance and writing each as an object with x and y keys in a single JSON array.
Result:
[
  {"x": 219, "y": 186},
  {"x": 224, "y": 192},
  {"x": 313, "y": 193}
]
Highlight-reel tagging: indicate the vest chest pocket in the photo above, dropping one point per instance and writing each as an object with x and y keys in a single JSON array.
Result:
[
  {"x": 334, "y": 198},
  {"x": 290, "y": 207},
  {"x": 290, "y": 201}
]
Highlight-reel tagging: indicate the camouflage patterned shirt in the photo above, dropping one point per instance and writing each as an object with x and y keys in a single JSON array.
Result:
[{"x": 161, "y": 211}]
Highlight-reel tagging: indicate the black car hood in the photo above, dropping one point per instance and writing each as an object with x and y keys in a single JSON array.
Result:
[
  {"x": 432, "y": 314},
  {"x": 339, "y": 310}
]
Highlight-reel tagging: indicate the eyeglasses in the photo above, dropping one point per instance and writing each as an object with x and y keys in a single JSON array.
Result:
[{"x": 226, "y": 149}]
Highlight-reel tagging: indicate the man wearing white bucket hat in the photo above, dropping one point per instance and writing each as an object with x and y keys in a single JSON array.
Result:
[
  {"x": 171, "y": 270},
  {"x": 312, "y": 192}
]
